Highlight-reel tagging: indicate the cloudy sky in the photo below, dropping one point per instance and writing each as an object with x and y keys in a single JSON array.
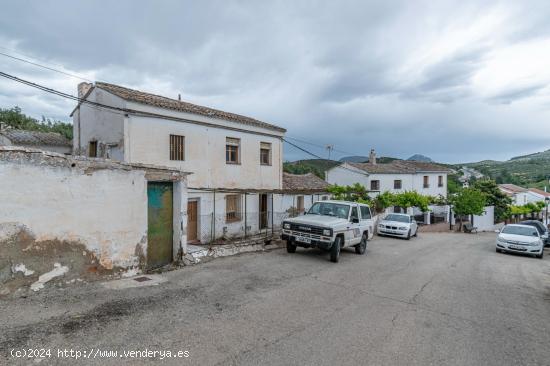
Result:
[{"x": 457, "y": 81}]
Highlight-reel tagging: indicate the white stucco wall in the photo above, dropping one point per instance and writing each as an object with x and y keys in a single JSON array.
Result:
[
  {"x": 105, "y": 210},
  {"x": 205, "y": 153},
  {"x": 99, "y": 124},
  {"x": 523, "y": 198},
  {"x": 486, "y": 222},
  {"x": 409, "y": 182}
]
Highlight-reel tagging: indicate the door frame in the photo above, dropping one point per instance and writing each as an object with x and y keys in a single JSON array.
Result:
[
  {"x": 173, "y": 204},
  {"x": 198, "y": 200},
  {"x": 261, "y": 215}
]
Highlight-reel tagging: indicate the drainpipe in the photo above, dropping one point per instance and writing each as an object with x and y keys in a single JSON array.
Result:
[
  {"x": 245, "y": 223},
  {"x": 214, "y": 218},
  {"x": 272, "y": 214}
]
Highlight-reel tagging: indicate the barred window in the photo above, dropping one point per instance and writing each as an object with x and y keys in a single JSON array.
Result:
[
  {"x": 426, "y": 181},
  {"x": 232, "y": 207},
  {"x": 397, "y": 184},
  {"x": 232, "y": 153},
  {"x": 265, "y": 153},
  {"x": 177, "y": 147},
  {"x": 440, "y": 181},
  {"x": 374, "y": 185}
]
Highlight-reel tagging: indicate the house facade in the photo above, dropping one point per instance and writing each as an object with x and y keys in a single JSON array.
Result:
[
  {"x": 521, "y": 196},
  {"x": 235, "y": 161},
  {"x": 396, "y": 176}
]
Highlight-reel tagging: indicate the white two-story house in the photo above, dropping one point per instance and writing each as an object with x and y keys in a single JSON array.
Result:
[
  {"x": 396, "y": 176},
  {"x": 235, "y": 161}
]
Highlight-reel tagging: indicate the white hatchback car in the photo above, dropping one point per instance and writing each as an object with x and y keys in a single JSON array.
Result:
[
  {"x": 396, "y": 224},
  {"x": 520, "y": 239}
]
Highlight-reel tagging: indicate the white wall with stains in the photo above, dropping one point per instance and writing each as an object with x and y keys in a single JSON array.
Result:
[
  {"x": 105, "y": 210},
  {"x": 96, "y": 203}
]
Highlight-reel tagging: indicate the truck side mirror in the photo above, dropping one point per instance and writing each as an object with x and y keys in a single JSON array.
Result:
[{"x": 355, "y": 220}]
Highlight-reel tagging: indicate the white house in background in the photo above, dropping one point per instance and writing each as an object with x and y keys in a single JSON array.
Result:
[
  {"x": 235, "y": 161},
  {"x": 542, "y": 195},
  {"x": 396, "y": 176},
  {"x": 47, "y": 141},
  {"x": 519, "y": 195},
  {"x": 300, "y": 191}
]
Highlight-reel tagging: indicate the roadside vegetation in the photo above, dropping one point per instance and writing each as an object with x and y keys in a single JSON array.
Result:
[
  {"x": 15, "y": 118},
  {"x": 358, "y": 193}
]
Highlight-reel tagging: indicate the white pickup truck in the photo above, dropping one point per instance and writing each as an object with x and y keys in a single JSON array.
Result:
[{"x": 330, "y": 225}]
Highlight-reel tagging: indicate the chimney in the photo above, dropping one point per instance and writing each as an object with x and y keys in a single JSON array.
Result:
[
  {"x": 83, "y": 89},
  {"x": 179, "y": 97},
  {"x": 372, "y": 157}
]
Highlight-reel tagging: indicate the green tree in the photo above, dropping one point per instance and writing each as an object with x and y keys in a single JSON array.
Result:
[
  {"x": 495, "y": 197},
  {"x": 14, "y": 118},
  {"x": 412, "y": 199},
  {"x": 468, "y": 201},
  {"x": 453, "y": 184}
]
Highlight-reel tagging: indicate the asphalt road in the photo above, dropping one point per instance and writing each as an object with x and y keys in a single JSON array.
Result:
[{"x": 439, "y": 299}]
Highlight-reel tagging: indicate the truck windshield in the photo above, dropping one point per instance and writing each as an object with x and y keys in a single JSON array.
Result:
[{"x": 329, "y": 209}]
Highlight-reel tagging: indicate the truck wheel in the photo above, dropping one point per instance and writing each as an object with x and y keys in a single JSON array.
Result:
[
  {"x": 335, "y": 250},
  {"x": 361, "y": 248},
  {"x": 290, "y": 248}
]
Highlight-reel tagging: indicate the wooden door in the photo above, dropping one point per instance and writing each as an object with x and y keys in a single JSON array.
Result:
[
  {"x": 160, "y": 221},
  {"x": 192, "y": 221},
  {"x": 263, "y": 211}
]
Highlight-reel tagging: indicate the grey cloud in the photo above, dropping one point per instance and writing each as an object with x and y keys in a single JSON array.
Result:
[
  {"x": 324, "y": 70},
  {"x": 514, "y": 94}
]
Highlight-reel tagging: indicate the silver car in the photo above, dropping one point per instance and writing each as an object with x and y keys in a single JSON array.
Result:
[{"x": 400, "y": 225}]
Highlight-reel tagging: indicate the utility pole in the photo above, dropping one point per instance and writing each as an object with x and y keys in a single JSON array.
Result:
[{"x": 329, "y": 149}]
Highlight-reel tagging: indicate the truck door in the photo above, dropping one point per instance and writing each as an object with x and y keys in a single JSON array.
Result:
[
  {"x": 354, "y": 230},
  {"x": 367, "y": 221}
]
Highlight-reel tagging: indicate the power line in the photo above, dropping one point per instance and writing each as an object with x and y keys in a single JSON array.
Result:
[
  {"x": 125, "y": 111},
  {"x": 321, "y": 146},
  {"x": 340, "y": 163},
  {"x": 45, "y": 67}
]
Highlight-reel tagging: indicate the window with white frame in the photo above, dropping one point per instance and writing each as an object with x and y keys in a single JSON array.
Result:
[
  {"x": 232, "y": 207},
  {"x": 265, "y": 153},
  {"x": 232, "y": 150}
]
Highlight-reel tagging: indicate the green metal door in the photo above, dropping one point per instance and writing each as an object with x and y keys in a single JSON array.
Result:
[{"x": 160, "y": 224}]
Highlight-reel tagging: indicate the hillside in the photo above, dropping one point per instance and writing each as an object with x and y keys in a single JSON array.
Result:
[
  {"x": 532, "y": 170},
  {"x": 420, "y": 157},
  {"x": 365, "y": 159},
  {"x": 315, "y": 166},
  {"x": 355, "y": 159}
]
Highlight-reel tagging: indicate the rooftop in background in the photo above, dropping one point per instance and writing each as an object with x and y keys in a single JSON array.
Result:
[
  {"x": 401, "y": 167},
  {"x": 512, "y": 188},
  {"x": 540, "y": 191},
  {"x": 178, "y": 105},
  {"x": 34, "y": 138},
  {"x": 303, "y": 183}
]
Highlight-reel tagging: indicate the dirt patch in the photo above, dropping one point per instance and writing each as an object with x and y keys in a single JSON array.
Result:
[{"x": 21, "y": 247}]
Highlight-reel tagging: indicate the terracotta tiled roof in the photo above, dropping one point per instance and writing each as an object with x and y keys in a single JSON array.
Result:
[
  {"x": 512, "y": 188},
  {"x": 400, "y": 167},
  {"x": 35, "y": 138},
  {"x": 540, "y": 191},
  {"x": 303, "y": 183},
  {"x": 177, "y": 105}
]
